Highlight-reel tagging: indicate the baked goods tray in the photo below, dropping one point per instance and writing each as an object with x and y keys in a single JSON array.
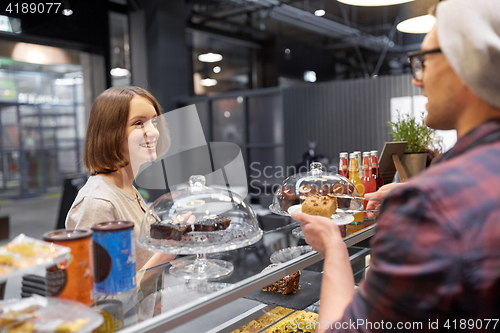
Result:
[
  {"x": 47, "y": 314},
  {"x": 310, "y": 287},
  {"x": 25, "y": 254}
]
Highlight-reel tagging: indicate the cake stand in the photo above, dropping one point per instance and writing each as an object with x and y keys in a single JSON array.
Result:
[
  {"x": 297, "y": 187},
  {"x": 195, "y": 206}
]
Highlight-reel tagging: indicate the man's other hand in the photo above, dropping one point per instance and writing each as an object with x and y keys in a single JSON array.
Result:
[{"x": 376, "y": 198}]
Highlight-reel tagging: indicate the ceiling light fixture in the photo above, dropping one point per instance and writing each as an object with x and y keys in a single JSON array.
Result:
[
  {"x": 210, "y": 57},
  {"x": 310, "y": 76},
  {"x": 417, "y": 25},
  {"x": 319, "y": 12},
  {"x": 39, "y": 54},
  {"x": 119, "y": 72},
  {"x": 373, "y": 2},
  {"x": 217, "y": 69},
  {"x": 67, "y": 10},
  {"x": 414, "y": 18},
  {"x": 208, "y": 82}
]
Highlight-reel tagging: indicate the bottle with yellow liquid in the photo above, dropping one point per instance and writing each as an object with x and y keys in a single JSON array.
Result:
[
  {"x": 354, "y": 178},
  {"x": 358, "y": 158}
]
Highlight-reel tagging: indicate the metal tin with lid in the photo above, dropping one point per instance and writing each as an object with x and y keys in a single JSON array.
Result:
[
  {"x": 114, "y": 257},
  {"x": 73, "y": 280}
]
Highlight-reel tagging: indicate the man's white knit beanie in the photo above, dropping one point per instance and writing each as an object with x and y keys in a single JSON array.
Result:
[{"x": 469, "y": 36}]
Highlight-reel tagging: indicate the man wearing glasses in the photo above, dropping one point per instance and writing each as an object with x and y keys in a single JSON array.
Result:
[{"x": 435, "y": 262}]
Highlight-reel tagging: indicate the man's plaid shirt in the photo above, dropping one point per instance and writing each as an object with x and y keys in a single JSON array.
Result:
[{"x": 436, "y": 250}]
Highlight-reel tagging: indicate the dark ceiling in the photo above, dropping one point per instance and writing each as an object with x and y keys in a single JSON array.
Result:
[
  {"x": 283, "y": 37},
  {"x": 362, "y": 41}
]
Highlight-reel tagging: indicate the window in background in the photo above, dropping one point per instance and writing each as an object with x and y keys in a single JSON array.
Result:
[
  {"x": 41, "y": 100},
  {"x": 228, "y": 121},
  {"x": 219, "y": 65}
]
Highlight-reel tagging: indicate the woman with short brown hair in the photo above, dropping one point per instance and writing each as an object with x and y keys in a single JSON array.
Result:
[
  {"x": 124, "y": 131},
  {"x": 108, "y": 118}
]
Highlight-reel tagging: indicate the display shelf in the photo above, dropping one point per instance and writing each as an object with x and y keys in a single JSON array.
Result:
[
  {"x": 248, "y": 277},
  {"x": 248, "y": 282}
]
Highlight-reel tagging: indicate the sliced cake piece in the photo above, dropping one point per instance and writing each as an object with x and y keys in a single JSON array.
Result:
[
  {"x": 214, "y": 223},
  {"x": 287, "y": 285},
  {"x": 321, "y": 205},
  {"x": 172, "y": 231}
]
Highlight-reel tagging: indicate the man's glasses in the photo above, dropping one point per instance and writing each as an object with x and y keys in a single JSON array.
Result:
[{"x": 417, "y": 59}]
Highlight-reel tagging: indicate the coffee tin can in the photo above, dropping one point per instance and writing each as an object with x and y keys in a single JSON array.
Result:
[
  {"x": 73, "y": 279},
  {"x": 114, "y": 257}
]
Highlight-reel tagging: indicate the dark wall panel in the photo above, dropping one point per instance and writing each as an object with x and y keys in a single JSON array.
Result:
[
  {"x": 167, "y": 54},
  {"x": 341, "y": 116}
]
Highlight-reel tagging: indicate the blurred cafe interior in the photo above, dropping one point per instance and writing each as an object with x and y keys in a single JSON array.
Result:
[{"x": 289, "y": 82}]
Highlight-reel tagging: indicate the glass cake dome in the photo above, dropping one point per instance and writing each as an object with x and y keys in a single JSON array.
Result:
[
  {"x": 199, "y": 220},
  {"x": 296, "y": 188}
]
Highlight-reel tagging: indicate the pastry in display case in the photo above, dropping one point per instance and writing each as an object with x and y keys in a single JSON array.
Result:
[
  {"x": 42, "y": 314},
  {"x": 24, "y": 252},
  {"x": 265, "y": 320},
  {"x": 281, "y": 320},
  {"x": 290, "y": 284},
  {"x": 287, "y": 285},
  {"x": 199, "y": 220}
]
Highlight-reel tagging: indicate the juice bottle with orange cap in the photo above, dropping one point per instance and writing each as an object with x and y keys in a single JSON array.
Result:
[
  {"x": 368, "y": 181},
  {"x": 354, "y": 178},
  {"x": 343, "y": 165}
]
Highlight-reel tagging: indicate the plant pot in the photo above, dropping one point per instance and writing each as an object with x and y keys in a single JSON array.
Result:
[{"x": 414, "y": 163}]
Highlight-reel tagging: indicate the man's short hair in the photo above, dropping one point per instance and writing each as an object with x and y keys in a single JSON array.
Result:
[{"x": 107, "y": 127}]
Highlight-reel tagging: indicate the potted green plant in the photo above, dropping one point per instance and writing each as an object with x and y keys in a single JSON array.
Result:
[{"x": 418, "y": 137}]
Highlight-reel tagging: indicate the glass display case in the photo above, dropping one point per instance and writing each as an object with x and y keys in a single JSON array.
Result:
[{"x": 235, "y": 302}]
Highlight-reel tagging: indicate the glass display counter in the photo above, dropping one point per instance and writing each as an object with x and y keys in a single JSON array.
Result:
[
  {"x": 230, "y": 303},
  {"x": 173, "y": 304}
]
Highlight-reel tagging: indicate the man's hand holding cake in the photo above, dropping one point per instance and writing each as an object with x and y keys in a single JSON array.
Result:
[{"x": 324, "y": 236}]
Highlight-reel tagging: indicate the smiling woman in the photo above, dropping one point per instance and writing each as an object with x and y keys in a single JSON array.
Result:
[{"x": 124, "y": 132}]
